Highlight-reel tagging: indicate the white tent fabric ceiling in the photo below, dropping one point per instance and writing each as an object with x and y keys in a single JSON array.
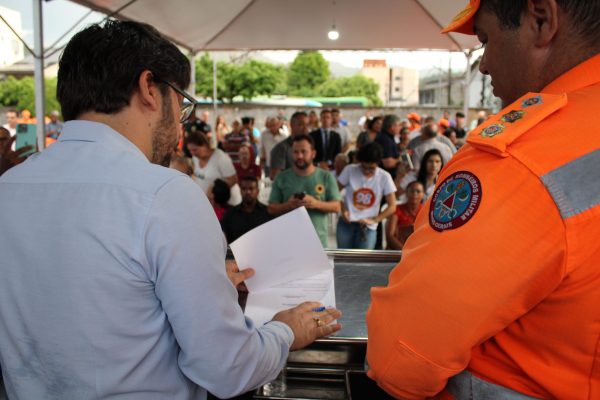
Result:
[{"x": 296, "y": 24}]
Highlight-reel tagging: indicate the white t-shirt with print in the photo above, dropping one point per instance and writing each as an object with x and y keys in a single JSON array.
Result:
[
  {"x": 219, "y": 166},
  {"x": 363, "y": 195}
]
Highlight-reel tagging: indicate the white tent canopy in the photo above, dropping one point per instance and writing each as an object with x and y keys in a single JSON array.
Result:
[
  {"x": 212, "y": 25},
  {"x": 296, "y": 24}
]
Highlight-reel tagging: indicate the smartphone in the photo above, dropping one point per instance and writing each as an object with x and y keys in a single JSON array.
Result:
[
  {"x": 26, "y": 135},
  {"x": 299, "y": 195},
  {"x": 405, "y": 157}
]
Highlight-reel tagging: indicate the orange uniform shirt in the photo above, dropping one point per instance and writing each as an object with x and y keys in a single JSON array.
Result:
[{"x": 502, "y": 274}]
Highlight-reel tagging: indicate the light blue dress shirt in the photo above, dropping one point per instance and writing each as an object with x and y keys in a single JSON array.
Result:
[{"x": 113, "y": 283}]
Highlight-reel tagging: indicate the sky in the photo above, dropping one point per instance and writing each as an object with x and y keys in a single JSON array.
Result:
[{"x": 61, "y": 15}]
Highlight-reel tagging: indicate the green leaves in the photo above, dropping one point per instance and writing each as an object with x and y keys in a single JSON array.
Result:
[
  {"x": 307, "y": 76},
  {"x": 252, "y": 78},
  {"x": 20, "y": 94},
  {"x": 308, "y": 70}
]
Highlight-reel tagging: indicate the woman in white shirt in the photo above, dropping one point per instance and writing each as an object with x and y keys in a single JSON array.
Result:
[
  {"x": 366, "y": 184},
  {"x": 211, "y": 164}
]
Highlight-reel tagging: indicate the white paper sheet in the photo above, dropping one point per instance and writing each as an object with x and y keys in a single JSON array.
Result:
[
  {"x": 261, "y": 306},
  {"x": 281, "y": 250}
]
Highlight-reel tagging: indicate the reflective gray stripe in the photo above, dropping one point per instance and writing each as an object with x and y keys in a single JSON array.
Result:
[
  {"x": 465, "y": 386},
  {"x": 575, "y": 187}
]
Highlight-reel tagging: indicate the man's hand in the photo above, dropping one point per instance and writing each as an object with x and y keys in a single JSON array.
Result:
[
  {"x": 308, "y": 324},
  {"x": 310, "y": 202},
  {"x": 295, "y": 202},
  {"x": 236, "y": 276},
  {"x": 9, "y": 158}
]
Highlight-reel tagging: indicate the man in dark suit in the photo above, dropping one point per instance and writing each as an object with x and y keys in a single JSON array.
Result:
[{"x": 328, "y": 143}]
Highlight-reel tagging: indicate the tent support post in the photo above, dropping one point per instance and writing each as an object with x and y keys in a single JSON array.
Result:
[
  {"x": 467, "y": 87},
  {"x": 215, "y": 86},
  {"x": 38, "y": 48},
  {"x": 192, "y": 87}
]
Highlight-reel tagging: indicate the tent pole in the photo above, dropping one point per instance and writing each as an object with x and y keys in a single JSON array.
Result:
[
  {"x": 192, "y": 87},
  {"x": 38, "y": 48},
  {"x": 215, "y": 85},
  {"x": 467, "y": 87}
]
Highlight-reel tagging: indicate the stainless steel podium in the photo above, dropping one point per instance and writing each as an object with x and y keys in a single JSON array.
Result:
[{"x": 326, "y": 369}]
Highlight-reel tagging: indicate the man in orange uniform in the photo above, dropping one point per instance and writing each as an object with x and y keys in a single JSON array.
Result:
[{"x": 497, "y": 295}]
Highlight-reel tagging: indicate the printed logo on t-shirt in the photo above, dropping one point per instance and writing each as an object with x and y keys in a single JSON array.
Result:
[
  {"x": 455, "y": 201},
  {"x": 363, "y": 198}
]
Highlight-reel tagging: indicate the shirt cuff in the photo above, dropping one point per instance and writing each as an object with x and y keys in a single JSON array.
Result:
[{"x": 281, "y": 330}]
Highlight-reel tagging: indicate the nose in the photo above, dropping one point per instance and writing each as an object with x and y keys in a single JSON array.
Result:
[{"x": 483, "y": 64}]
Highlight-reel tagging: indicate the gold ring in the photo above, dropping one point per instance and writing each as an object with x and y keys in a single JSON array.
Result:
[{"x": 318, "y": 321}]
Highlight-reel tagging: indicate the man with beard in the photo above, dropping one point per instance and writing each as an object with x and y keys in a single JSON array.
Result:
[
  {"x": 306, "y": 185},
  {"x": 246, "y": 216},
  {"x": 113, "y": 280},
  {"x": 498, "y": 290}
]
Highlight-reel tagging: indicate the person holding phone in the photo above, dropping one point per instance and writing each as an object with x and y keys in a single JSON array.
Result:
[
  {"x": 306, "y": 185},
  {"x": 8, "y": 157}
]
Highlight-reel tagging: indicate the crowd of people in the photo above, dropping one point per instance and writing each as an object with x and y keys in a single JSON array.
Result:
[{"x": 350, "y": 185}]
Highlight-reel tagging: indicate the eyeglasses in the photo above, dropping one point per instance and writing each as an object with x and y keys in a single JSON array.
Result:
[{"x": 186, "y": 109}]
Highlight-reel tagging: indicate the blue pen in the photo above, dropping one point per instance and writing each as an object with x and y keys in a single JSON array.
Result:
[{"x": 319, "y": 309}]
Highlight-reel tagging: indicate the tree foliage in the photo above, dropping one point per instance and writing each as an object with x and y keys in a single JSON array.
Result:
[
  {"x": 307, "y": 76},
  {"x": 20, "y": 94},
  {"x": 308, "y": 70},
  {"x": 252, "y": 78},
  {"x": 357, "y": 85}
]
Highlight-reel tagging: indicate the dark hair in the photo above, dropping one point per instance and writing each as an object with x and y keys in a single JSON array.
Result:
[
  {"x": 370, "y": 153},
  {"x": 388, "y": 121},
  {"x": 198, "y": 138},
  {"x": 449, "y": 130},
  {"x": 304, "y": 136},
  {"x": 246, "y": 120},
  {"x": 584, "y": 15},
  {"x": 422, "y": 175},
  {"x": 297, "y": 115},
  {"x": 249, "y": 178},
  {"x": 325, "y": 111},
  {"x": 413, "y": 183},
  {"x": 335, "y": 110},
  {"x": 460, "y": 115},
  {"x": 221, "y": 192},
  {"x": 428, "y": 120},
  {"x": 371, "y": 122},
  {"x": 100, "y": 67}
]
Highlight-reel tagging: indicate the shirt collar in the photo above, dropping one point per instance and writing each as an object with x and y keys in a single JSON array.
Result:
[
  {"x": 585, "y": 74},
  {"x": 89, "y": 131}
]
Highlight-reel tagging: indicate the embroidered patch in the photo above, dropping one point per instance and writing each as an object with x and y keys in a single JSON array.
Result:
[
  {"x": 532, "y": 101},
  {"x": 319, "y": 188},
  {"x": 455, "y": 201},
  {"x": 512, "y": 116},
  {"x": 492, "y": 131},
  {"x": 363, "y": 198}
]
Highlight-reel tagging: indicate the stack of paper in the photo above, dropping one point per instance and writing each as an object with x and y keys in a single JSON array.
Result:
[{"x": 290, "y": 264}]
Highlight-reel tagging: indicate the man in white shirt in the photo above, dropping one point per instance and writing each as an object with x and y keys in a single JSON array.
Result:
[
  {"x": 114, "y": 286},
  {"x": 269, "y": 138},
  {"x": 12, "y": 117},
  {"x": 342, "y": 130}
]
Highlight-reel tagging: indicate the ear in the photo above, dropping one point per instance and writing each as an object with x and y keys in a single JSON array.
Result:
[
  {"x": 149, "y": 93},
  {"x": 542, "y": 17}
]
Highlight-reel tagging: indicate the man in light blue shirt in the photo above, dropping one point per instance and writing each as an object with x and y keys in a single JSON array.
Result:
[{"x": 113, "y": 281}]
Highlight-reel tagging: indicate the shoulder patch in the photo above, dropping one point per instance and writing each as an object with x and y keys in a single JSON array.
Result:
[
  {"x": 455, "y": 201},
  {"x": 500, "y": 130}
]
